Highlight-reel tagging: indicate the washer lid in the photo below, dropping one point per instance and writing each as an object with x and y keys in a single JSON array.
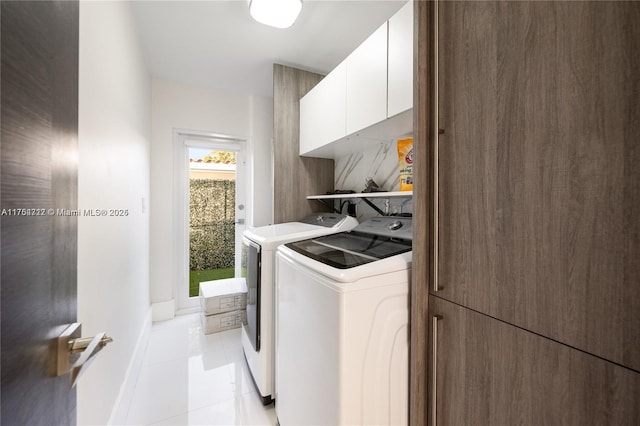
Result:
[{"x": 350, "y": 249}]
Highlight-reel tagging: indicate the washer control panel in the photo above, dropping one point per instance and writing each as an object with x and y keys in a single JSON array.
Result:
[
  {"x": 329, "y": 220},
  {"x": 388, "y": 226}
]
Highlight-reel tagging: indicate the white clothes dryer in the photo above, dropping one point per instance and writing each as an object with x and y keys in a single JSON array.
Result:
[
  {"x": 258, "y": 256},
  {"x": 342, "y": 336}
]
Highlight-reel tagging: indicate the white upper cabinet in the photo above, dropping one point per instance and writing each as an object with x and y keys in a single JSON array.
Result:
[
  {"x": 368, "y": 98},
  {"x": 400, "y": 81},
  {"x": 367, "y": 82},
  {"x": 322, "y": 111}
]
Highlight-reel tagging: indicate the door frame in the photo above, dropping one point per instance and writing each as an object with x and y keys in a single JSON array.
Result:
[{"x": 182, "y": 140}]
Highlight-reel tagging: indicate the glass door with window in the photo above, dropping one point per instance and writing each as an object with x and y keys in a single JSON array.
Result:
[
  {"x": 212, "y": 199},
  {"x": 212, "y": 219}
]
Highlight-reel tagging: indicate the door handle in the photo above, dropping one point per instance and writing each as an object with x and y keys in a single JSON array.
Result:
[
  {"x": 74, "y": 354},
  {"x": 435, "y": 147},
  {"x": 81, "y": 344},
  {"x": 239, "y": 222},
  {"x": 434, "y": 368}
]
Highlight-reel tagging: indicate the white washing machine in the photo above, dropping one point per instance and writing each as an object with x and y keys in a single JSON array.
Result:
[
  {"x": 342, "y": 352},
  {"x": 258, "y": 257}
]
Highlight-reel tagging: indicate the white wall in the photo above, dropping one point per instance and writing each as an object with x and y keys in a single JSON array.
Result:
[
  {"x": 113, "y": 252},
  {"x": 176, "y": 106},
  {"x": 261, "y": 162}
]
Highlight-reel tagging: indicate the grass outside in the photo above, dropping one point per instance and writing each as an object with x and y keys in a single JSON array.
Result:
[{"x": 196, "y": 277}]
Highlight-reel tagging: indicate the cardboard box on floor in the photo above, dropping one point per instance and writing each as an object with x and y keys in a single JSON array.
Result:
[
  {"x": 221, "y": 296},
  {"x": 223, "y": 304},
  {"x": 222, "y": 322}
]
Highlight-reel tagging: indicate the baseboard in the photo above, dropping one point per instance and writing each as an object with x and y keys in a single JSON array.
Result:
[
  {"x": 163, "y": 311},
  {"x": 123, "y": 401},
  {"x": 187, "y": 311}
]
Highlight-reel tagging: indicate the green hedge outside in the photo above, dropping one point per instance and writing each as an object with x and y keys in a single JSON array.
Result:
[{"x": 211, "y": 224}]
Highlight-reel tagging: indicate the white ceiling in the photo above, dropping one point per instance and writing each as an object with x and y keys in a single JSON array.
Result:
[{"x": 217, "y": 44}]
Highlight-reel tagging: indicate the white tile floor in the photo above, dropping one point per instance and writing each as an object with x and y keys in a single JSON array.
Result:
[{"x": 188, "y": 378}]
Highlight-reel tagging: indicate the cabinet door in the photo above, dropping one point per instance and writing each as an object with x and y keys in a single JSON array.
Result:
[
  {"x": 400, "y": 80},
  {"x": 491, "y": 373},
  {"x": 538, "y": 168},
  {"x": 367, "y": 82},
  {"x": 322, "y": 111}
]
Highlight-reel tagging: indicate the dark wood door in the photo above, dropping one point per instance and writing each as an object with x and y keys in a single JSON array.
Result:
[
  {"x": 39, "y": 176},
  {"x": 489, "y": 372},
  {"x": 539, "y": 176}
]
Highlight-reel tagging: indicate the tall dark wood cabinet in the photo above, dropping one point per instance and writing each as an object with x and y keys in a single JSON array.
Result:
[{"x": 533, "y": 159}]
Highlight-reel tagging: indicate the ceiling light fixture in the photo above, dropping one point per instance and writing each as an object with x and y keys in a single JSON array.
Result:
[{"x": 275, "y": 13}]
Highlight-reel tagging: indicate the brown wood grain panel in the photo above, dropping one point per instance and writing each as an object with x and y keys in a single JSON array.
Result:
[
  {"x": 492, "y": 373},
  {"x": 538, "y": 172},
  {"x": 466, "y": 171},
  {"x": 295, "y": 177},
  {"x": 422, "y": 265},
  {"x": 39, "y": 171}
]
